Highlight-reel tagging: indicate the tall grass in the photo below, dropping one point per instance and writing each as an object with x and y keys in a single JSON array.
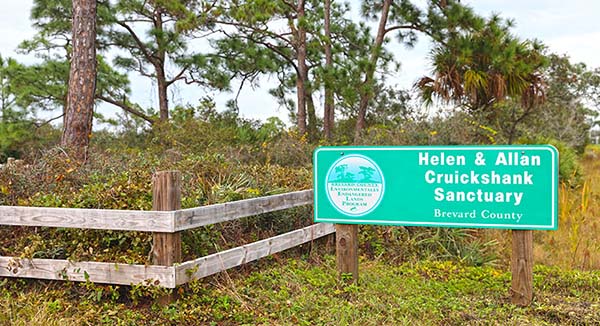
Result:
[{"x": 576, "y": 243}]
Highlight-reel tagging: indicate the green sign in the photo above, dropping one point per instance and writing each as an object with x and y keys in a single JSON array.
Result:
[{"x": 503, "y": 187}]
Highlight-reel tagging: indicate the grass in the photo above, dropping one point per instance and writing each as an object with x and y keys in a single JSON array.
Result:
[
  {"x": 305, "y": 292},
  {"x": 576, "y": 243}
]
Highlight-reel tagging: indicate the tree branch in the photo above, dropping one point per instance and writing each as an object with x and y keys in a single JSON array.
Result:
[
  {"x": 255, "y": 29},
  {"x": 126, "y": 108},
  {"x": 178, "y": 76},
  {"x": 393, "y": 28},
  {"x": 270, "y": 47},
  {"x": 139, "y": 42},
  {"x": 289, "y": 4},
  {"x": 39, "y": 125}
]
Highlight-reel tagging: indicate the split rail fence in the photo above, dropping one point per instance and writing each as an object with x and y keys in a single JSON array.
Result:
[{"x": 166, "y": 221}]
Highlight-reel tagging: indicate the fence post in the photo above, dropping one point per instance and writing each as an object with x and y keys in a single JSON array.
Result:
[
  {"x": 522, "y": 267},
  {"x": 166, "y": 196},
  {"x": 346, "y": 249}
]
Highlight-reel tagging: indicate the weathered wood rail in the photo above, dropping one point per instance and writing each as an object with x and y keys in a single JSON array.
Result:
[
  {"x": 158, "y": 222},
  {"x": 150, "y": 221},
  {"x": 98, "y": 272},
  {"x": 101, "y": 219}
]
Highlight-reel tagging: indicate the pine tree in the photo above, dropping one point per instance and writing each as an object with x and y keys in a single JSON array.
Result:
[{"x": 82, "y": 79}]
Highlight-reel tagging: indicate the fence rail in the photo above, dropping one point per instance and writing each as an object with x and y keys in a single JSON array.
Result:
[
  {"x": 206, "y": 215},
  {"x": 157, "y": 222},
  {"x": 103, "y": 219},
  {"x": 215, "y": 263},
  {"x": 97, "y": 272},
  {"x": 150, "y": 221},
  {"x": 153, "y": 275}
]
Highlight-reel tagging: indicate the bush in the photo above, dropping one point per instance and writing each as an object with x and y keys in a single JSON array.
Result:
[
  {"x": 570, "y": 171},
  {"x": 122, "y": 179},
  {"x": 22, "y": 139},
  {"x": 458, "y": 128}
]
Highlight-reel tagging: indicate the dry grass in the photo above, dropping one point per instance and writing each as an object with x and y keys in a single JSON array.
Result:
[{"x": 576, "y": 243}]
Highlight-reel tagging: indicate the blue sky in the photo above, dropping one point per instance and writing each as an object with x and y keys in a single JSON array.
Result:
[{"x": 566, "y": 27}]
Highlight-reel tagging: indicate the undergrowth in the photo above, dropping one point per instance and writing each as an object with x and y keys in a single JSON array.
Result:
[{"x": 306, "y": 292}]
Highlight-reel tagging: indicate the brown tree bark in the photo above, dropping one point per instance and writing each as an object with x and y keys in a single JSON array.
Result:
[
  {"x": 159, "y": 66},
  {"x": 366, "y": 91},
  {"x": 310, "y": 111},
  {"x": 163, "y": 101},
  {"x": 82, "y": 79},
  {"x": 302, "y": 69},
  {"x": 328, "y": 109}
]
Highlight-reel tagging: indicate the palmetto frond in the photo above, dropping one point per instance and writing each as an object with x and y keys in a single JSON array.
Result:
[{"x": 483, "y": 67}]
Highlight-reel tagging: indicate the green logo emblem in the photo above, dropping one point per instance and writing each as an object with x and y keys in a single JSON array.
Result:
[{"x": 355, "y": 185}]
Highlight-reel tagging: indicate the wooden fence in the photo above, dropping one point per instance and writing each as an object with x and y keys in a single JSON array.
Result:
[{"x": 164, "y": 225}]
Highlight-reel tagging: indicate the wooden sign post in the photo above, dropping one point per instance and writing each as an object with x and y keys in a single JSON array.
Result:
[
  {"x": 346, "y": 251},
  {"x": 521, "y": 266}
]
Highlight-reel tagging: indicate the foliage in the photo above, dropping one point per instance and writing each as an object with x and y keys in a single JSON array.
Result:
[
  {"x": 447, "y": 276},
  {"x": 481, "y": 68},
  {"x": 570, "y": 170},
  {"x": 119, "y": 24},
  {"x": 484, "y": 66},
  {"x": 416, "y": 243},
  {"x": 230, "y": 159},
  {"x": 453, "y": 128},
  {"x": 16, "y": 125},
  {"x": 259, "y": 46},
  {"x": 566, "y": 113},
  {"x": 478, "y": 63},
  {"x": 14, "y": 134},
  {"x": 297, "y": 292},
  {"x": 439, "y": 20}
]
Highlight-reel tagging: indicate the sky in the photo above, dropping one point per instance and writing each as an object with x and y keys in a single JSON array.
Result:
[{"x": 566, "y": 27}]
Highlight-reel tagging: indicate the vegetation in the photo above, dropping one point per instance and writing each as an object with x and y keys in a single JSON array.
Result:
[
  {"x": 305, "y": 292},
  {"x": 506, "y": 90},
  {"x": 499, "y": 80},
  {"x": 447, "y": 276}
]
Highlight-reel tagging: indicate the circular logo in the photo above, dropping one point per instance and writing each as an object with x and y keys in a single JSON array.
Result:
[{"x": 355, "y": 185}]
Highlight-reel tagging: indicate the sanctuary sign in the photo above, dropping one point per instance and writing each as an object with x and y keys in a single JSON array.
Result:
[{"x": 503, "y": 187}]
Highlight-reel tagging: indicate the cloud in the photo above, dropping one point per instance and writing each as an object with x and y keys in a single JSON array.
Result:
[
  {"x": 581, "y": 47},
  {"x": 15, "y": 27}
]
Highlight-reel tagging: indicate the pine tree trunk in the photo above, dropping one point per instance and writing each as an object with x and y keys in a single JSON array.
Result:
[
  {"x": 82, "y": 79},
  {"x": 302, "y": 70},
  {"x": 328, "y": 110},
  {"x": 362, "y": 111},
  {"x": 366, "y": 91},
  {"x": 312, "y": 117},
  {"x": 159, "y": 66},
  {"x": 163, "y": 101}
]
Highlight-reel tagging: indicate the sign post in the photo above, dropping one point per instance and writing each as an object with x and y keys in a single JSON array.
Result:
[
  {"x": 521, "y": 266},
  {"x": 502, "y": 187}
]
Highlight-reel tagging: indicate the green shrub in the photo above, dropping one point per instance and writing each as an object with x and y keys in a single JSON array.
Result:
[
  {"x": 570, "y": 170},
  {"x": 122, "y": 179}
]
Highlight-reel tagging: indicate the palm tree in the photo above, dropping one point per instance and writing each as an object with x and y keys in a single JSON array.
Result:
[{"x": 477, "y": 70}]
